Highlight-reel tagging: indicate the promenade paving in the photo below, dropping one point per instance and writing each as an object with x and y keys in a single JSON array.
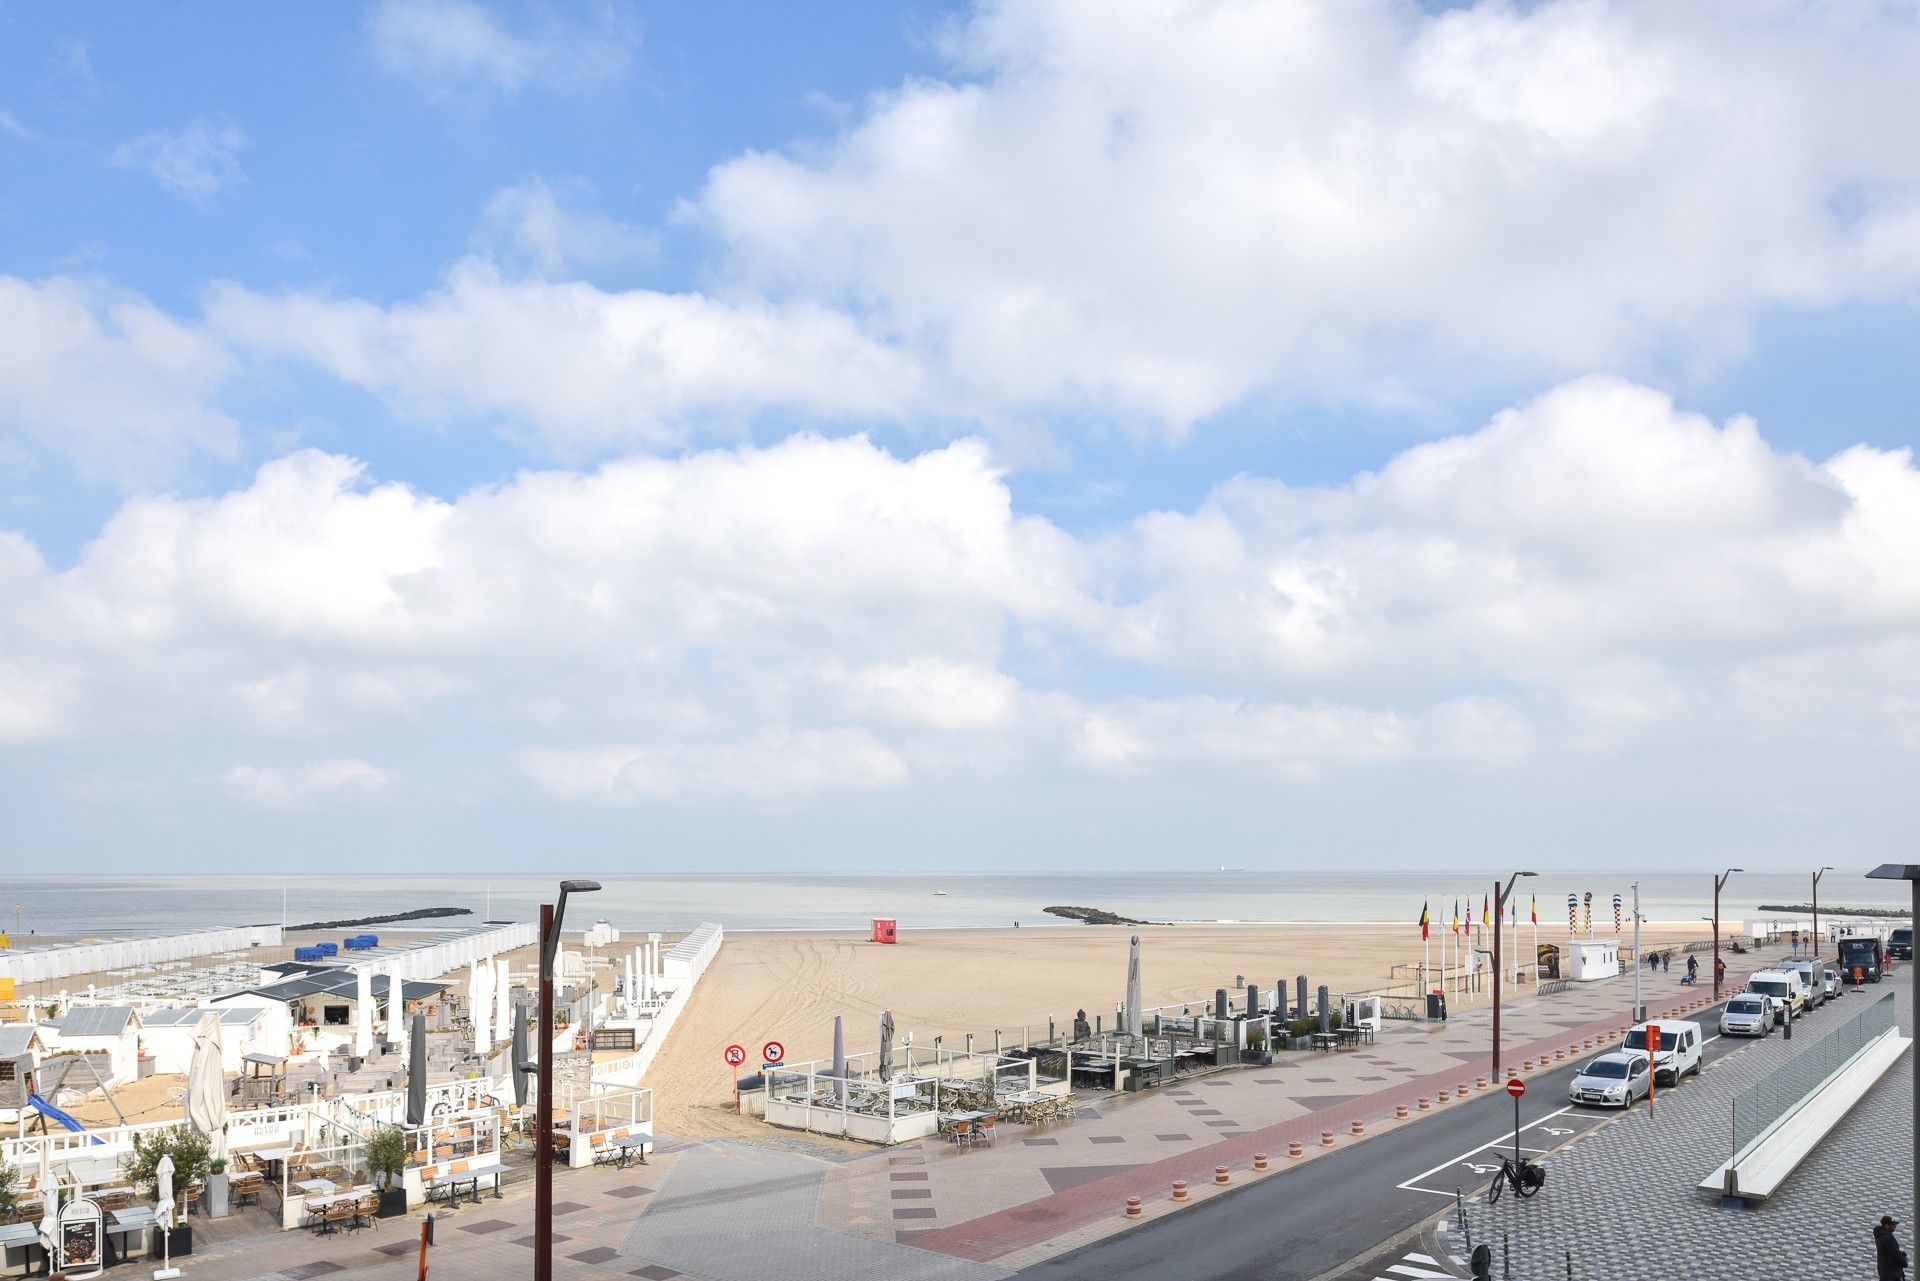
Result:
[
  {"x": 1623, "y": 1193},
  {"x": 729, "y": 1211}
]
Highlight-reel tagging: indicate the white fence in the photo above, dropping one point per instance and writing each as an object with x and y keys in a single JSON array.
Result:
[{"x": 684, "y": 963}]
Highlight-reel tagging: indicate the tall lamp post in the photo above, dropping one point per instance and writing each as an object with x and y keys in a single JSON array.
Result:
[
  {"x": 550, "y": 918},
  {"x": 1816, "y": 910},
  {"x": 1718, "y": 882},
  {"x": 1910, "y": 873},
  {"x": 1639, "y": 1006},
  {"x": 1499, "y": 906}
]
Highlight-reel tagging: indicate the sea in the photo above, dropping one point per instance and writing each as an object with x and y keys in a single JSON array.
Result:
[{"x": 110, "y": 904}]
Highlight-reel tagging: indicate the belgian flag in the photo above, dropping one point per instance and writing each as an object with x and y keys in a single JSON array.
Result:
[{"x": 1425, "y": 923}]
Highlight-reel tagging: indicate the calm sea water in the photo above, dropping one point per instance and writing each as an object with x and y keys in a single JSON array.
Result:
[{"x": 66, "y": 905}]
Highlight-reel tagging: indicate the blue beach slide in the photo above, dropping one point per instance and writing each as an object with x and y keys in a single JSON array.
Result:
[{"x": 53, "y": 1113}]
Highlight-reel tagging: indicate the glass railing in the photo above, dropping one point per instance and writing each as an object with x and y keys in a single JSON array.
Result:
[{"x": 1761, "y": 1105}]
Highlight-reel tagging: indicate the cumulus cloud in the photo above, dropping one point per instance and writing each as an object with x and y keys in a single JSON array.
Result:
[
  {"x": 775, "y": 765},
  {"x": 101, "y": 377},
  {"x": 589, "y": 369},
  {"x": 1589, "y": 572},
  {"x": 529, "y": 228},
  {"x": 304, "y": 787},
  {"x": 447, "y": 45},
  {"x": 196, "y": 161},
  {"x": 1161, "y": 210}
]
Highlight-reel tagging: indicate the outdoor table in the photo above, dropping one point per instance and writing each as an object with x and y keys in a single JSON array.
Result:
[
  {"x": 129, "y": 1222},
  {"x": 24, "y": 1237},
  {"x": 1325, "y": 1040},
  {"x": 273, "y": 1157},
  {"x": 315, "y": 1187},
  {"x": 624, "y": 1148},
  {"x": 454, "y": 1183}
]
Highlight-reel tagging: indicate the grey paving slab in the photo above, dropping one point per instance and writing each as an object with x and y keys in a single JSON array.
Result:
[{"x": 694, "y": 1225}]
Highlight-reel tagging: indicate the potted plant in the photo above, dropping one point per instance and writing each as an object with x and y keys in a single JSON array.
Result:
[
  {"x": 190, "y": 1165},
  {"x": 9, "y": 1197},
  {"x": 387, "y": 1159},
  {"x": 217, "y": 1188}
]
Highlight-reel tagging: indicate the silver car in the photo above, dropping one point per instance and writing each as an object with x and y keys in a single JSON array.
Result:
[
  {"x": 1747, "y": 1014},
  {"x": 1830, "y": 982},
  {"x": 1612, "y": 1081}
]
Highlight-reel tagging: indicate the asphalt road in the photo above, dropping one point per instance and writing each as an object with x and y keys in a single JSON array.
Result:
[{"x": 1338, "y": 1206}]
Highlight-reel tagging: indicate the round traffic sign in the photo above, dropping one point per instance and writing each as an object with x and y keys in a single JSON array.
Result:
[
  {"x": 736, "y": 1055},
  {"x": 773, "y": 1052},
  {"x": 1516, "y": 1087}
]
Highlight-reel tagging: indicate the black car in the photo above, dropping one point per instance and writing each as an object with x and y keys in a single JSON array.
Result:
[{"x": 1900, "y": 944}]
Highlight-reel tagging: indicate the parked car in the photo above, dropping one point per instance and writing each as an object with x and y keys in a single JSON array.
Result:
[
  {"x": 1810, "y": 976},
  {"x": 1613, "y": 1080},
  {"x": 1679, "y": 1051},
  {"x": 1900, "y": 944},
  {"x": 1785, "y": 987},
  {"x": 1860, "y": 952},
  {"x": 1830, "y": 981},
  {"x": 1747, "y": 1014}
]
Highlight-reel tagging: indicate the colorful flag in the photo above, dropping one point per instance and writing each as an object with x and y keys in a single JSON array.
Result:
[
  {"x": 1456, "y": 916},
  {"x": 1534, "y": 913},
  {"x": 1423, "y": 923},
  {"x": 1486, "y": 908}
]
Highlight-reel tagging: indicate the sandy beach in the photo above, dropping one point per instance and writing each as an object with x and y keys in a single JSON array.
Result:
[{"x": 788, "y": 987}]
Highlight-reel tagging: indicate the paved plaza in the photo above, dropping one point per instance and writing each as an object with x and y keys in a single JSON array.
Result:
[
  {"x": 731, "y": 1211},
  {"x": 1626, "y": 1193}
]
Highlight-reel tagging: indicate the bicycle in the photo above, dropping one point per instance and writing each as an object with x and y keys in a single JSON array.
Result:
[{"x": 1525, "y": 1176}]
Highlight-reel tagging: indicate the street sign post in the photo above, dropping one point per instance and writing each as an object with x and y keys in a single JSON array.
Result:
[
  {"x": 1653, "y": 1051},
  {"x": 735, "y": 1056},
  {"x": 773, "y": 1052},
  {"x": 1517, "y": 1088}
]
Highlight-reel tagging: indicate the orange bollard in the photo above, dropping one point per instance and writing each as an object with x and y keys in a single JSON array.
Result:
[
  {"x": 1444, "y": 1096},
  {"x": 1479, "y": 1082},
  {"x": 1326, "y": 1138},
  {"x": 1426, "y": 1105},
  {"x": 1179, "y": 1189},
  {"x": 1259, "y": 1160},
  {"x": 1399, "y": 1111},
  {"x": 1294, "y": 1148},
  {"x": 1220, "y": 1174},
  {"x": 1359, "y": 1127},
  {"x": 1133, "y": 1207}
]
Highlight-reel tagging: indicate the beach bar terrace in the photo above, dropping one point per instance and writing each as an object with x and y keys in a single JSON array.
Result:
[{"x": 929, "y": 1092}]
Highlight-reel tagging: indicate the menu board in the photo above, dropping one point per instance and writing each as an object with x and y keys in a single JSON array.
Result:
[
  {"x": 81, "y": 1229},
  {"x": 80, "y": 1243}
]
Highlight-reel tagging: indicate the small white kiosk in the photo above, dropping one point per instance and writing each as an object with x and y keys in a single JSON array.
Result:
[{"x": 1590, "y": 960}]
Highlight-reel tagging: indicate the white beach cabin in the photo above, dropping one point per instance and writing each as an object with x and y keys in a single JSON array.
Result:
[
  {"x": 168, "y": 1036},
  {"x": 1591, "y": 960},
  {"x": 109, "y": 1034}
]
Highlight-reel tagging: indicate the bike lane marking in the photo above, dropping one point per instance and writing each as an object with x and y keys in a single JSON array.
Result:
[{"x": 1559, "y": 1132}]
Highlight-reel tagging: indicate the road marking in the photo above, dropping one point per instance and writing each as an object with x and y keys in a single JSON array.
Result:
[
  {"x": 1465, "y": 1157},
  {"x": 1419, "y": 1274}
]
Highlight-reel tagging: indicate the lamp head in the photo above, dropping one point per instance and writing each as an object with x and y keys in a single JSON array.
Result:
[
  {"x": 1895, "y": 872},
  {"x": 579, "y": 887}
]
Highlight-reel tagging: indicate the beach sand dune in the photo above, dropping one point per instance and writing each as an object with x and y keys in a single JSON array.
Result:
[{"x": 788, "y": 987}]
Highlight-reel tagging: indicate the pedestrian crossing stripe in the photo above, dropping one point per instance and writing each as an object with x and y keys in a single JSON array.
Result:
[{"x": 1415, "y": 1267}]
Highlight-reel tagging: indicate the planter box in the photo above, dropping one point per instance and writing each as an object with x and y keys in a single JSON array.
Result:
[
  {"x": 146, "y": 1066},
  {"x": 218, "y": 1204},
  {"x": 181, "y": 1245},
  {"x": 393, "y": 1203}
]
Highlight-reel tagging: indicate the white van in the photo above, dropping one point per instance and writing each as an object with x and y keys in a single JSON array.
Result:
[
  {"x": 1810, "y": 977},
  {"x": 1679, "y": 1051},
  {"x": 1783, "y": 986}
]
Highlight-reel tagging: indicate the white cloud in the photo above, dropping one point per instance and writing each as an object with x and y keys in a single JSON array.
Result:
[
  {"x": 195, "y": 161},
  {"x": 106, "y": 380},
  {"x": 10, "y": 123},
  {"x": 529, "y": 228},
  {"x": 445, "y": 45},
  {"x": 1589, "y": 573},
  {"x": 772, "y": 766},
  {"x": 1163, "y": 210},
  {"x": 589, "y": 369},
  {"x": 307, "y": 787}
]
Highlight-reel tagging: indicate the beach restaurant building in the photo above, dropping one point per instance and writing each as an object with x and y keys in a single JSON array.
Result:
[
  {"x": 108, "y": 1034},
  {"x": 168, "y": 1036},
  {"x": 318, "y": 1009}
]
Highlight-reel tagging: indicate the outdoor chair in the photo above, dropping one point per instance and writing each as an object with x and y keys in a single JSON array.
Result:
[
  {"x": 365, "y": 1210},
  {"x": 962, "y": 1133},
  {"x": 339, "y": 1214},
  {"x": 983, "y": 1129},
  {"x": 191, "y": 1196}
]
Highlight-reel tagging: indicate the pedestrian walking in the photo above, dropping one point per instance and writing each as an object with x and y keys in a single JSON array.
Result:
[
  {"x": 1888, "y": 1257},
  {"x": 1693, "y": 967},
  {"x": 1666, "y": 962},
  {"x": 1719, "y": 970}
]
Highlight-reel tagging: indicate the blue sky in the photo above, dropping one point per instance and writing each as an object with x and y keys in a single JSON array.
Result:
[{"x": 1099, "y": 433}]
